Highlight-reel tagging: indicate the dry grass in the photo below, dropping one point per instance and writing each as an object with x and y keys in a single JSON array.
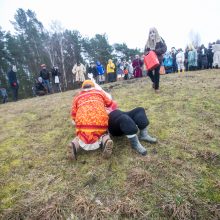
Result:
[{"x": 179, "y": 179}]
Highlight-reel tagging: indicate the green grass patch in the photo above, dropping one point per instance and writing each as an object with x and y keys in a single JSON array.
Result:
[{"x": 178, "y": 179}]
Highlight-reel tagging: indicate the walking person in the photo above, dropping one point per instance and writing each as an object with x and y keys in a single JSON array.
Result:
[{"x": 157, "y": 44}]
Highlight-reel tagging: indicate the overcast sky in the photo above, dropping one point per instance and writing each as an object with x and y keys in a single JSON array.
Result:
[{"x": 125, "y": 20}]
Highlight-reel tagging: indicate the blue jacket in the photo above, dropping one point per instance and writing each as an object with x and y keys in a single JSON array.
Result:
[{"x": 100, "y": 68}]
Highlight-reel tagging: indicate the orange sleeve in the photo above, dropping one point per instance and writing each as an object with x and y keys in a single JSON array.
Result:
[{"x": 74, "y": 109}]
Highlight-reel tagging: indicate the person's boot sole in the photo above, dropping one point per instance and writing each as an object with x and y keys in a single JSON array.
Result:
[
  {"x": 107, "y": 152},
  {"x": 70, "y": 151}
]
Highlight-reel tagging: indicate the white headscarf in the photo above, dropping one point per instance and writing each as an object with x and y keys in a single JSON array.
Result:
[{"x": 151, "y": 43}]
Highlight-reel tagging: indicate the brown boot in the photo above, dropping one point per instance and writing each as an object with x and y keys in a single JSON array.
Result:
[
  {"x": 107, "y": 146},
  {"x": 73, "y": 148}
]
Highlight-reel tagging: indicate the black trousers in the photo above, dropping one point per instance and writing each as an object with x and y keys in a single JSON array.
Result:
[
  {"x": 155, "y": 78},
  {"x": 127, "y": 123},
  {"x": 15, "y": 92}
]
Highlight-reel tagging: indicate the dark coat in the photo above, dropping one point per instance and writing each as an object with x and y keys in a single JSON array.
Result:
[
  {"x": 40, "y": 87},
  {"x": 93, "y": 70},
  {"x": 44, "y": 73},
  {"x": 160, "y": 49},
  {"x": 12, "y": 78},
  {"x": 55, "y": 72}
]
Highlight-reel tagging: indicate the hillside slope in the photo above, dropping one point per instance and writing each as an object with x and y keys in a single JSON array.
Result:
[{"x": 179, "y": 179}]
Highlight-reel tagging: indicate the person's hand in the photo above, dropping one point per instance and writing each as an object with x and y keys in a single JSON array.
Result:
[
  {"x": 73, "y": 122},
  {"x": 14, "y": 83},
  {"x": 146, "y": 53}
]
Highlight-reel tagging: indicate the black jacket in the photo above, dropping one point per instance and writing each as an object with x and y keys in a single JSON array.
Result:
[
  {"x": 44, "y": 73},
  {"x": 12, "y": 78},
  {"x": 160, "y": 49},
  {"x": 55, "y": 72},
  {"x": 93, "y": 70}
]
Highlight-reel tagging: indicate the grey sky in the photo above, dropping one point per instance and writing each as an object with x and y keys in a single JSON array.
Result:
[{"x": 124, "y": 20}]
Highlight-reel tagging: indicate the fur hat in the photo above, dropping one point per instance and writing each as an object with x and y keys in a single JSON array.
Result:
[{"x": 88, "y": 84}]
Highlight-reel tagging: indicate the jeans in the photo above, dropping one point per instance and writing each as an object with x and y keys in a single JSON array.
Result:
[{"x": 46, "y": 82}]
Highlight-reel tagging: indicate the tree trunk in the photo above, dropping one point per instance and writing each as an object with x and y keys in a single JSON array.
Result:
[{"x": 62, "y": 61}]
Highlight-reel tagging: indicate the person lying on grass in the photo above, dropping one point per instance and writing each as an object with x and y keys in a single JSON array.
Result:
[
  {"x": 128, "y": 123},
  {"x": 91, "y": 121}
]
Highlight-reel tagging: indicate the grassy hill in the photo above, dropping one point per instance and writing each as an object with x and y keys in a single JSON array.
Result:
[{"x": 179, "y": 179}]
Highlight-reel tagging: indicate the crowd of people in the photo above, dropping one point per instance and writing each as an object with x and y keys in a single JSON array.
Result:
[
  {"x": 193, "y": 58},
  {"x": 175, "y": 60}
]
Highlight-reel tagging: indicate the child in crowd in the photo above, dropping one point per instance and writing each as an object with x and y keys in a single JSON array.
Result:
[
  {"x": 180, "y": 57},
  {"x": 4, "y": 95},
  {"x": 120, "y": 70},
  {"x": 101, "y": 71}
]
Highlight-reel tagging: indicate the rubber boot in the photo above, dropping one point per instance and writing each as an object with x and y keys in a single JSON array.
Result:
[
  {"x": 144, "y": 136},
  {"x": 136, "y": 145}
]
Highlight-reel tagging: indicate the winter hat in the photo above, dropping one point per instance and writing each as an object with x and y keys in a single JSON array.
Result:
[{"x": 88, "y": 84}]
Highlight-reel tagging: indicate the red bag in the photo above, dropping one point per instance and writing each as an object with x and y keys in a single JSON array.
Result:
[
  {"x": 151, "y": 61},
  {"x": 125, "y": 71}
]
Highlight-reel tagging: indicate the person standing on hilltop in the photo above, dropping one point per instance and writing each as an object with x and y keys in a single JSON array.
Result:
[
  {"x": 79, "y": 72},
  {"x": 45, "y": 75},
  {"x": 216, "y": 56},
  {"x": 12, "y": 78},
  {"x": 56, "y": 78},
  {"x": 111, "y": 71},
  {"x": 137, "y": 64},
  {"x": 155, "y": 43}
]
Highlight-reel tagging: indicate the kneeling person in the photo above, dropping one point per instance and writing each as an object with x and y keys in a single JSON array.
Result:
[
  {"x": 91, "y": 121},
  {"x": 40, "y": 87}
]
